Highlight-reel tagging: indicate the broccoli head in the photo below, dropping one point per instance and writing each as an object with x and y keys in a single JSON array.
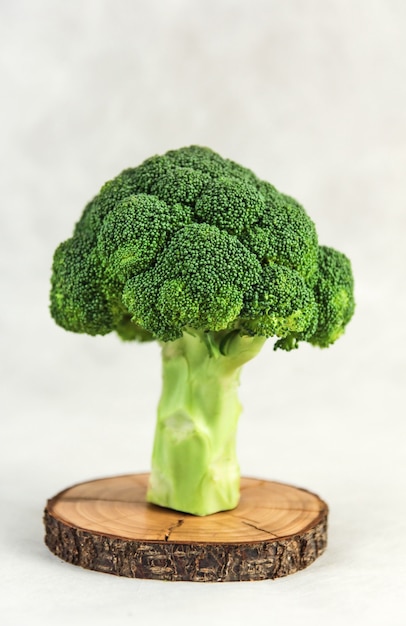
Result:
[
  {"x": 190, "y": 240},
  {"x": 194, "y": 251}
]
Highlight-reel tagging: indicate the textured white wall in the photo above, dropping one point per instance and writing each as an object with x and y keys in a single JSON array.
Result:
[{"x": 312, "y": 96}]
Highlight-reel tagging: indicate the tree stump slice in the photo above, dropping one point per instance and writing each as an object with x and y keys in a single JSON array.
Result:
[{"x": 106, "y": 525}]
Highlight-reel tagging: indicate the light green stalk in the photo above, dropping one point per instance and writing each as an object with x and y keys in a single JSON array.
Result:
[{"x": 194, "y": 463}]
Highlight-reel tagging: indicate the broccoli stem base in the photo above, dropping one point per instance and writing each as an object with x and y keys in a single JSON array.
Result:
[{"x": 194, "y": 462}]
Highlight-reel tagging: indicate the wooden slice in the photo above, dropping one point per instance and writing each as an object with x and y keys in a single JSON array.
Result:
[{"x": 106, "y": 525}]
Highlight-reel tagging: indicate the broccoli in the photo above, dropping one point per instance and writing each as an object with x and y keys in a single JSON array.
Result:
[{"x": 193, "y": 251}]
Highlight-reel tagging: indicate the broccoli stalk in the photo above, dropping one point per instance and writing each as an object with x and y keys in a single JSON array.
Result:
[
  {"x": 195, "y": 252},
  {"x": 194, "y": 462}
]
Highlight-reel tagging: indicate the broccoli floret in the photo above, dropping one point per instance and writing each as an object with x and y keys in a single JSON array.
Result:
[
  {"x": 333, "y": 293},
  {"x": 194, "y": 251},
  {"x": 281, "y": 304},
  {"x": 198, "y": 281}
]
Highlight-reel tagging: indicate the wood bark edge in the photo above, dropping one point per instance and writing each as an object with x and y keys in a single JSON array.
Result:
[{"x": 177, "y": 561}]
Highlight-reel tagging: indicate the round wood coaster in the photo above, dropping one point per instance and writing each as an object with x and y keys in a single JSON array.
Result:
[{"x": 106, "y": 525}]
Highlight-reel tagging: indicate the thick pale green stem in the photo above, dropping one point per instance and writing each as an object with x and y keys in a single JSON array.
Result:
[{"x": 194, "y": 464}]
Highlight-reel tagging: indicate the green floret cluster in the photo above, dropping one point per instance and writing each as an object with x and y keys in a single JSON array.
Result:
[{"x": 192, "y": 241}]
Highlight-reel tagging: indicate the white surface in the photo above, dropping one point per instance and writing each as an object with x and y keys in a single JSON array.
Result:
[{"x": 311, "y": 96}]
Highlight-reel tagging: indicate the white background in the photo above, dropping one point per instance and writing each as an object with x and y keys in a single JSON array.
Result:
[{"x": 309, "y": 94}]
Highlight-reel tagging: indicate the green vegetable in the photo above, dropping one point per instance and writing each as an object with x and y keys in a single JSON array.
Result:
[{"x": 195, "y": 252}]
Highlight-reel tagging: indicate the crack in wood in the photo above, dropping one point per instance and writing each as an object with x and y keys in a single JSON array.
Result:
[
  {"x": 100, "y": 499},
  {"x": 263, "y": 530},
  {"x": 300, "y": 509},
  {"x": 172, "y": 528}
]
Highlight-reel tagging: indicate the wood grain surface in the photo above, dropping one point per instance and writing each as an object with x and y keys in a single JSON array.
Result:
[{"x": 106, "y": 525}]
